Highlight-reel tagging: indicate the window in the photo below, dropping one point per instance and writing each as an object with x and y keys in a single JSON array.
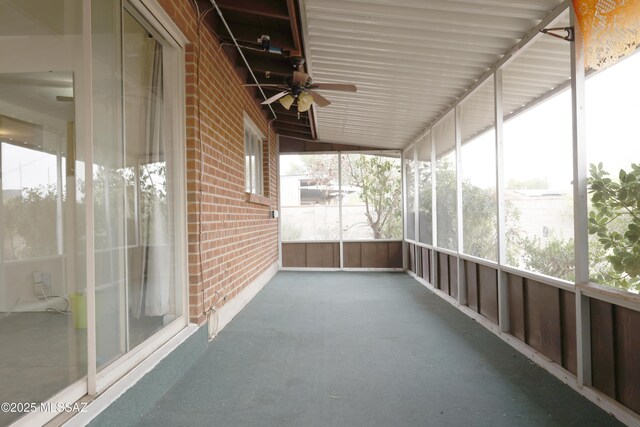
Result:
[
  {"x": 410, "y": 192},
  {"x": 538, "y": 163},
  {"x": 446, "y": 186},
  {"x": 370, "y": 206},
  {"x": 309, "y": 197},
  {"x": 478, "y": 153},
  {"x": 252, "y": 158},
  {"x": 425, "y": 191},
  {"x": 317, "y": 197},
  {"x": 613, "y": 152}
]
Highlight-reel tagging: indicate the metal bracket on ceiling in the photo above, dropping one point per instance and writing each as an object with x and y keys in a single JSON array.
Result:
[{"x": 570, "y": 33}]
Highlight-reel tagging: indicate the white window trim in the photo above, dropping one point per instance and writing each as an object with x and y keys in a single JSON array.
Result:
[{"x": 250, "y": 126}]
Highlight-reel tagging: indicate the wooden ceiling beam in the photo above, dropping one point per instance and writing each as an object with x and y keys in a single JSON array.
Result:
[
  {"x": 251, "y": 34},
  {"x": 263, "y": 65},
  {"x": 293, "y": 8},
  {"x": 294, "y": 134},
  {"x": 293, "y": 127},
  {"x": 293, "y": 120},
  {"x": 276, "y": 79},
  {"x": 250, "y": 19},
  {"x": 295, "y": 29},
  {"x": 293, "y": 112},
  {"x": 269, "y": 8}
]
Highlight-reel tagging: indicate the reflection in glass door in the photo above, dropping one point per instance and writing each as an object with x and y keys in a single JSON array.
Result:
[
  {"x": 137, "y": 283},
  {"x": 42, "y": 291},
  {"x": 46, "y": 207}
]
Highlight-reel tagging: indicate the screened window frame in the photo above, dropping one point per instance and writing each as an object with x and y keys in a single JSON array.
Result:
[{"x": 396, "y": 153}]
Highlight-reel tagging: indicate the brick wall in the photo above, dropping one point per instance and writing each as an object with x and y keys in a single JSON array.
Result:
[{"x": 231, "y": 239}]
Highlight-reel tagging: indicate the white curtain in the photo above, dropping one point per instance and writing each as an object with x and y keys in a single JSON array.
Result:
[{"x": 156, "y": 261}]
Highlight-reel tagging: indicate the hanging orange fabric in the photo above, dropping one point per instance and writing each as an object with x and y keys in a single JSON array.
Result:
[{"x": 610, "y": 28}]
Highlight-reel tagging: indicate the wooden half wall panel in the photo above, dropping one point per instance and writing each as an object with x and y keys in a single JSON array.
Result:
[
  {"x": 471, "y": 274},
  {"x": 443, "y": 272},
  {"x": 371, "y": 254},
  {"x": 352, "y": 255},
  {"x": 411, "y": 253},
  {"x": 615, "y": 352},
  {"x": 453, "y": 276},
  {"x": 311, "y": 255},
  {"x": 568, "y": 319},
  {"x": 425, "y": 273},
  {"x": 550, "y": 323},
  {"x": 532, "y": 331},
  {"x": 602, "y": 347},
  {"x": 482, "y": 289},
  {"x": 395, "y": 254},
  {"x": 627, "y": 357},
  {"x": 516, "y": 306},
  {"x": 543, "y": 316},
  {"x": 294, "y": 254},
  {"x": 488, "y": 292}
]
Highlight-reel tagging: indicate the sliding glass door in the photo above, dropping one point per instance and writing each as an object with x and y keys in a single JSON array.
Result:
[
  {"x": 90, "y": 164},
  {"x": 42, "y": 206}
]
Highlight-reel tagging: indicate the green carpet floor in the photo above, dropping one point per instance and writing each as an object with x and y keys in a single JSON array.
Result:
[{"x": 363, "y": 349}]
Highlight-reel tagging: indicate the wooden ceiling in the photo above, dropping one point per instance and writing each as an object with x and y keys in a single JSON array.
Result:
[{"x": 248, "y": 21}]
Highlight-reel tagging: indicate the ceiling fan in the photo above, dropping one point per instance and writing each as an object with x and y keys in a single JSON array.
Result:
[{"x": 301, "y": 89}]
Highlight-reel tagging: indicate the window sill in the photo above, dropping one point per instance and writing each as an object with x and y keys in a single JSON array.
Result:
[{"x": 257, "y": 199}]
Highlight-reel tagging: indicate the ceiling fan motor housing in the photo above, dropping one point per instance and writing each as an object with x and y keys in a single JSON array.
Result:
[{"x": 297, "y": 62}]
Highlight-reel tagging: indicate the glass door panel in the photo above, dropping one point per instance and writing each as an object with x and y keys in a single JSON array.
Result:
[{"x": 42, "y": 286}]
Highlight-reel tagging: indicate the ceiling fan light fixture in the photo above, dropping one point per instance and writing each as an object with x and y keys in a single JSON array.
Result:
[
  {"x": 303, "y": 108},
  {"x": 286, "y": 101},
  {"x": 304, "y": 102}
]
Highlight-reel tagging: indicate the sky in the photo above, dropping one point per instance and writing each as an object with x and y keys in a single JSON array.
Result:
[{"x": 29, "y": 168}]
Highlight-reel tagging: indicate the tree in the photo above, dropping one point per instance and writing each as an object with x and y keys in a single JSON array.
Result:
[
  {"x": 556, "y": 258},
  {"x": 29, "y": 223},
  {"x": 425, "y": 201},
  {"x": 446, "y": 203},
  {"x": 379, "y": 181},
  {"x": 323, "y": 170},
  {"x": 479, "y": 213},
  {"x": 480, "y": 221},
  {"x": 614, "y": 224},
  {"x": 615, "y": 220}
]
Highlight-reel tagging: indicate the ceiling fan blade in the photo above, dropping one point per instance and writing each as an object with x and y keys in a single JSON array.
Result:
[
  {"x": 335, "y": 86},
  {"x": 275, "y": 97},
  {"x": 300, "y": 78},
  {"x": 319, "y": 99}
]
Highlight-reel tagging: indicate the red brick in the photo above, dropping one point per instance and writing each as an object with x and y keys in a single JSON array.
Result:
[{"x": 237, "y": 239}]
